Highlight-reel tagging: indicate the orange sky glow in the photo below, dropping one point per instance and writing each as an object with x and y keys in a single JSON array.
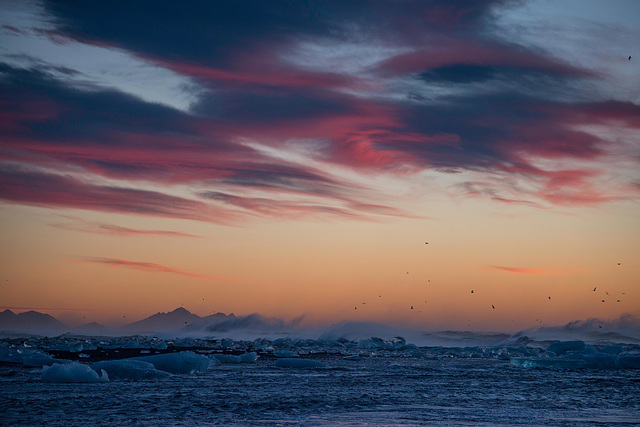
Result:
[{"x": 430, "y": 166}]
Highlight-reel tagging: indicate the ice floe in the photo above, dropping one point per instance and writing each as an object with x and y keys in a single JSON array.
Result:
[
  {"x": 72, "y": 373},
  {"x": 186, "y": 362},
  {"x": 128, "y": 369}
]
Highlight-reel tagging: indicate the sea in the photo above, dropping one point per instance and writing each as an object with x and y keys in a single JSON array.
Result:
[{"x": 470, "y": 379}]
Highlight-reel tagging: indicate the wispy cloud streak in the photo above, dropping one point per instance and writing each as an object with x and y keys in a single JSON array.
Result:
[
  {"x": 80, "y": 225},
  {"x": 148, "y": 267},
  {"x": 535, "y": 271}
]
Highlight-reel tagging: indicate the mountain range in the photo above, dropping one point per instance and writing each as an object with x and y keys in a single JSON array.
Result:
[
  {"x": 36, "y": 323},
  {"x": 31, "y": 322}
]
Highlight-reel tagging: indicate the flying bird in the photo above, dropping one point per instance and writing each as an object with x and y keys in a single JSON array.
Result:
[
  {"x": 426, "y": 243},
  {"x": 549, "y": 297},
  {"x": 619, "y": 263},
  {"x": 493, "y": 306},
  {"x": 629, "y": 58},
  {"x": 594, "y": 289},
  {"x": 471, "y": 290}
]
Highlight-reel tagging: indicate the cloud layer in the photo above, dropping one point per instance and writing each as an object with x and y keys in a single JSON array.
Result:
[{"x": 294, "y": 100}]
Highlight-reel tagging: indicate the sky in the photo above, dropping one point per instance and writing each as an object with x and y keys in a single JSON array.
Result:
[{"x": 436, "y": 164}]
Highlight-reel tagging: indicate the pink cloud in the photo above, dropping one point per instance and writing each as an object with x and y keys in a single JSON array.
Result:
[
  {"x": 148, "y": 267},
  {"x": 535, "y": 271},
  {"x": 114, "y": 230},
  {"x": 44, "y": 189}
]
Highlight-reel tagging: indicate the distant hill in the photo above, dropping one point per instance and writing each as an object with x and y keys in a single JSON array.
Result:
[
  {"x": 173, "y": 320},
  {"x": 31, "y": 322}
]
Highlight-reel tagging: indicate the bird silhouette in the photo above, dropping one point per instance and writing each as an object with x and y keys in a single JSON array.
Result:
[
  {"x": 426, "y": 243},
  {"x": 411, "y": 307},
  {"x": 629, "y": 58},
  {"x": 549, "y": 297},
  {"x": 493, "y": 306},
  {"x": 471, "y": 290},
  {"x": 602, "y": 300},
  {"x": 594, "y": 289}
]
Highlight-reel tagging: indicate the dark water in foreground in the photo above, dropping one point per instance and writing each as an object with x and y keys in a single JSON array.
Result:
[{"x": 369, "y": 391}]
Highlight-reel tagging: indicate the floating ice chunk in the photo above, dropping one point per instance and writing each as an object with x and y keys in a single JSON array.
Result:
[
  {"x": 230, "y": 358},
  {"x": 285, "y": 353},
  {"x": 38, "y": 358},
  {"x": 560, "y": 348},
  {"x": 548, "y": 363},
  {"x": 611, "y": 349},
  {"x": 186, "y": 362},
  {"x": 9, "y": 355},
  {"x": 629, "y": 360},
  {"x": 251, "y": 357},
  {"x": 131, "y": 344},
  {"x": 72, "y": 346},
  {"x": 226, "y": 343},
  {"x": 160, "y": 345},
  {"x": 599, "y": 361},
  {"x": 72, "y": 373},
  {"x": 129, "y": 369},
  {"x": 227, "y": 358},
  {"x": 299, "y": 363},
  {"x": 373, "y": 342},
  {"x": 573, "y": 360},
  {"x": 398, "y": 341}
]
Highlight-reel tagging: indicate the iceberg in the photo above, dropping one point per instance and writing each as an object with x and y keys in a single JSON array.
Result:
[
  {"x": 242, "y": 358},
  {"x": 9, "y": 354},
  {"x": 560, "y": 348},
  {"x": 251, "y": 357},
  {"x": 548, "y": 363},
  {"x": 299, "y": 363},
  {"x": 72, "y": 373},
  {"x": 285, "y": 353},
  {"x": 629, "y": 360},
  {"x": 128, "y": 369},
  {"x": 37, "y": 358},
  {"x": 185, "y": 362}
]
